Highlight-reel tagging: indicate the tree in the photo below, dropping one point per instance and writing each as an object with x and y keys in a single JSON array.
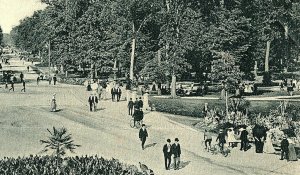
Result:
[
  {"x": 59, "y": 141},
  {"x": 224, "y": 68}
]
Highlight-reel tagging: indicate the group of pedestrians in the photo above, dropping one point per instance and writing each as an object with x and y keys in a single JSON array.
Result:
[
  {"x": 12, "y": 79},
  {"x": 93, "y": 102},
  {"x": 136, "y": 105},
  {"x": 116, "y": 93},
  {"x": 169, "y": 150},
  {"x": 262, "y": 139}
]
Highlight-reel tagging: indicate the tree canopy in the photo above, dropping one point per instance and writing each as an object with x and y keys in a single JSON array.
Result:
[{"x": 171, "y": 37}]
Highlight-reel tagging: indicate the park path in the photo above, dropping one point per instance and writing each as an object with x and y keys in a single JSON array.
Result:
[{"x": 24, "y": 118}]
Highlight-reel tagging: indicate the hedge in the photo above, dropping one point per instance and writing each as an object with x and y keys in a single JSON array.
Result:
[{"x": 194, "y": 107}]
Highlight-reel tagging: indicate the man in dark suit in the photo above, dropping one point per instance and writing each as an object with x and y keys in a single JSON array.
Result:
[
  {"x": 21, "y": 76},
  {"x": 54, "y": 79},
  {"x": 221, "y": 138},
  {"x": 93, "y": 100},
  {"x": 141, "y": 103},
  {"x": 119, "y": 92},
  {"x": 143, "y": 134},
  {"x": 259, "y": 134},
  {"x": 167, "y": 154},
  {"x": 284, "y": 148},
  {"x": 176, "y": 151},
  {"x": 113, "y": 93},
  {"x": 130, "y": 106},
  {"x": 136, "y": 104},
  {"x": 244, "y": 139}
]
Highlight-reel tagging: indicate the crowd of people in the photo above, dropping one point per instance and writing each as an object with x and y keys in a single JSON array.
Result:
[
  {"x": 265, "y": 131},
  {"x": 48, "y": 165}
]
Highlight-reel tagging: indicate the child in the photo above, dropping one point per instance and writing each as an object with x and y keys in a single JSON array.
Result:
[{"x": 207, "y": 139}]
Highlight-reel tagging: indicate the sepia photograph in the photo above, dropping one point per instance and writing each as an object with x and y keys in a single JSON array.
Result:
[{"x": 149, "y": 87}]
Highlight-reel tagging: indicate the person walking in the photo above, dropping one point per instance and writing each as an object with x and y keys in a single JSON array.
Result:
[
  {"x": 284, "y": 148},
  {"x": 176, "y": 151},
  {"x": 27, "y": 68},
  {"x": 221, "y": 139},
  {"x": 99, "y": 91},
  {"x": 167, "y": 154},
  {"x": 53, "y": 103},
  {"x": 259, "y": 134},
  {"x": 292, "y": 151},
  {"x": 92, "y": 102},
  {"x": 96, "y": 100},
  {"x": 207, "y": 140},
  {"x": 136, "y": 104},
  {"x": 269, "y": 149},
  {"x": 143, "y": 134},
  {"x": 113, "y": 94},
  {"x": 23, "y": 83},
  {"x": 38, "y": 80},
  {"x": 130, "y": 106},
  {"x": 21, "y": 76},
  {"x": 141, "y": 103},
  {"x": 50, "y": 79},
  {"x": 244, "y": 139},
  {"x": 54, "y": 79},
  {"x": 118, "y": 93},
  {"x": 231, "y": 137},
  {"x": 12, "y": 85}
]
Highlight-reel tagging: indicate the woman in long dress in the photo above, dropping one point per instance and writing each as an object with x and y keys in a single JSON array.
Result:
[
  {"x": 53, "y": 103},
  {"x": 292, "y": 151},
  {"x": 268, "y": 147},
  {"x": 230, "y": 137}
]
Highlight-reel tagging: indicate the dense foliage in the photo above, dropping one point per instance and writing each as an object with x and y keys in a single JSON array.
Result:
[
  {"x": 44, "y": 165},
  {"x": 158, "y": 39}
]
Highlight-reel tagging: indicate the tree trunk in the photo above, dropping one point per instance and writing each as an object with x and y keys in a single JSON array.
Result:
[
  {"x": 286, "y": 53},
  {"x": 267, "y": 56},
  {"x": 173, "y": 86},
  {"x": 159, "y": 57},
  {"x": 132, "y": 54}
]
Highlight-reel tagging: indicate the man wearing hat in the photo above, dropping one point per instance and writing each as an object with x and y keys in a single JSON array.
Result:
[
  {"x": 143, "y": 134},
  {"x": 284, "y": 148},
  {"x": 167, "y": 154},
  {"x": 176, "y": 151},
  {"x": 221, "y": 138}
]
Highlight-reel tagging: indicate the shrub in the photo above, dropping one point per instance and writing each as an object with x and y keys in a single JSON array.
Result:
[{"x": 267, "y": 78}]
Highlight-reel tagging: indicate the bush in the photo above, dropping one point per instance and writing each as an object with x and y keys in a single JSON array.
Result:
[
  {"x": 184, "y": 107},
  {"x": 267, "y": 78},
  {"x": 69, "y": 165}
]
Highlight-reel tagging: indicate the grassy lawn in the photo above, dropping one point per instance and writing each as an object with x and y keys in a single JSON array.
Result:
[{"x": 193, "y": 107}]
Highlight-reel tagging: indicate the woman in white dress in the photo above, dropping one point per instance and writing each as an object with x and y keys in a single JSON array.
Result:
[
  {"x": 230, "y": 137},
  {"x": 268, "y": 147}
]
